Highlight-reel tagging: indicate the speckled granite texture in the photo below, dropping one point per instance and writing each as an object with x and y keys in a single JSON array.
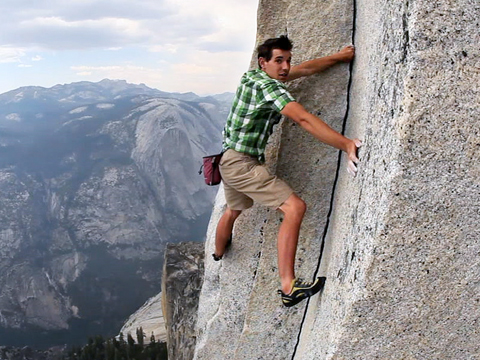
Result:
[{"x": 402, "y": 242}]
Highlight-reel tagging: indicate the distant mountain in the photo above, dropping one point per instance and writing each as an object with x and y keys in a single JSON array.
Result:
[{"x": 95, "y": 178}]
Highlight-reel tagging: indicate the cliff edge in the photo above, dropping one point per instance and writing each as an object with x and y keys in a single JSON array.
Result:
[{"x": 399, "y": 243}]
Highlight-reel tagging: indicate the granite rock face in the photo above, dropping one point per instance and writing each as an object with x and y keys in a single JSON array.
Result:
[
  {"x": 399, "y": 243},
  {"x": 181, "y": 283},
  {"x": 150, "y": 318},
  {"x": 247, "y": 310}
]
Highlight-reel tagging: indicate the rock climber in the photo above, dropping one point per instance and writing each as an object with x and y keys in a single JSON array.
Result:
[{"x": 260, "y": 101}]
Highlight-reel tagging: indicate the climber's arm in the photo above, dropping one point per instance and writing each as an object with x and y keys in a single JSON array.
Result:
[
  {"x": 320, "y": 64},
  {"x": 323, "y": 132}
]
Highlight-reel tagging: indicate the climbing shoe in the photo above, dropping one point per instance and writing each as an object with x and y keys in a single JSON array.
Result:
[
  {"x": 218, "y": 258},
  {"x": 301, "y": 290}
]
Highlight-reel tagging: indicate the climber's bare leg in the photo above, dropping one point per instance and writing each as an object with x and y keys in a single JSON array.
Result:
[
  {"x": 293, "y": 209},
  {"x": 224, "y": 230}
]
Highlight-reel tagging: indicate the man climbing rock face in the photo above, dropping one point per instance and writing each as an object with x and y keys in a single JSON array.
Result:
[{"x": 260, "y": 101}]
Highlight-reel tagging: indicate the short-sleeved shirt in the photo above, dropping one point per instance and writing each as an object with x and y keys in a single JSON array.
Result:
[{"x": 255, "y": 110}]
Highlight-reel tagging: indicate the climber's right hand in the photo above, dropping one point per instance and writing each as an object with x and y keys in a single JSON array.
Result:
[{"x": 352, "y": 152}]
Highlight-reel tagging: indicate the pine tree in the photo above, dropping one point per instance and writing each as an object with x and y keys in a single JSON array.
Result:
[
  {"x": 121, "y": 339},
  {"x": 130, "y": 347},
  {"x": 130, "y": 340},
  {"x": 140, "y": 336},
  {"x": 110, "y": 350},
  {"x": 118, "y": 355}
]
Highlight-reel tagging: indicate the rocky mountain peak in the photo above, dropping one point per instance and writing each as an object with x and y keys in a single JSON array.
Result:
[{"x": 95, "y": 178}]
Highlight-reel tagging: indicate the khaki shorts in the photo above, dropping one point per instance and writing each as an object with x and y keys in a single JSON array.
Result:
[{"x": 246, "y": 181}]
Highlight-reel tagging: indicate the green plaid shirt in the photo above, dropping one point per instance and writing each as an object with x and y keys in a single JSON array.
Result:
[{"x": 255, "y": 109}]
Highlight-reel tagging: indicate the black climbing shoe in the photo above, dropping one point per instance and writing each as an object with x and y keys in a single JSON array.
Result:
[
  {"x": 217, "y": 258},
  {"x": 302, "y": 290}
]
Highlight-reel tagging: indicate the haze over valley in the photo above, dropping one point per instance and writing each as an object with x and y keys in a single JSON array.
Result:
[{"x": 95, "y": 179}]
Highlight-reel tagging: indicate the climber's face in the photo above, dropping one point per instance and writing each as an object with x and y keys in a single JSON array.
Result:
[{"x": 278, "y": 66}]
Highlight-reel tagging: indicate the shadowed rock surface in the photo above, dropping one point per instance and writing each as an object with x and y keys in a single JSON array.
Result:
[{"x": 181, "y": 284}]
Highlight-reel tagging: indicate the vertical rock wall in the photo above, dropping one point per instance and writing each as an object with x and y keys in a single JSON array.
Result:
[
  {"x": 400, "y": 246},
  {"x": 181, "y": 282},
  {"x": 403, "y": 269},
  {"x": 241, "y": 314}
]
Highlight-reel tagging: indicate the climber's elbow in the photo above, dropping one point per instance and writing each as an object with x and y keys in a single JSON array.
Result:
[{"x": 296, "y": 112}]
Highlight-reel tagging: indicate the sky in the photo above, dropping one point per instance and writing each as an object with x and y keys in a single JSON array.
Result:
[{"x": 203, "y": 46}]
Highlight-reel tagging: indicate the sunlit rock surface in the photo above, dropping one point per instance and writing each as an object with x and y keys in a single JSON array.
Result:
[
  {"x": 399, "y": 243},
  {"x": 150, "y": 318}
]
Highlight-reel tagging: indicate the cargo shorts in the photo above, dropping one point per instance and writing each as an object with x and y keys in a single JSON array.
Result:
[{"x": 245, "y": 180}]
